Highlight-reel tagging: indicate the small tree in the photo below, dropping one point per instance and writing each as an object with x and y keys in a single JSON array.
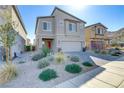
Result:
[
  {"x": 45, "y": 50},
  {"x": 7, "y": 33},
  {"x": 7, "y": 39}
]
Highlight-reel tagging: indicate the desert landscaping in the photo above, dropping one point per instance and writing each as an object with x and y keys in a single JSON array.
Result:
[{"x": 30, "y": 66}]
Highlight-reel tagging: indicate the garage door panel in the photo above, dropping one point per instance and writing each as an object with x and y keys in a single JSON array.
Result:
[{"x": 71, "y": 46}]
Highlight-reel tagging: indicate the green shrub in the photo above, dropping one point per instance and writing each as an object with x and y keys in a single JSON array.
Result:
[
  {"x": 45, "y": 50},
  {"x": 86, "y": 63},
  {"x": 50, "y": 58},
  {"x": 114, "y": 44},
  {"x": 27, "y": 48},
  {"x": 73, "y": 68},
  {"x": 68, "y": 56},
  {"x": 103, "y": 52},
  {"x": 59, "y": 57},
  {"x": 21, "y": 62},
  {"x": 47, "y": 75},
  {"x": 59, "y": 50},
  {"x": 43, "y": 63},
  {"x": 38, "y": 56},
  {"x": 115, "y": 54},
  {"x": 97, "y": 51},
  {"x": 117, "y": 48},
  {"x": 75, "y": 58}
]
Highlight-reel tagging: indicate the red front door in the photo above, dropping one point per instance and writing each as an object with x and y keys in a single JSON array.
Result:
[{"x": 49, "y": 44}]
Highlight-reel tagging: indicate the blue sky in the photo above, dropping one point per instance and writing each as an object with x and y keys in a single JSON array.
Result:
[{"x": 111, "y": 16}]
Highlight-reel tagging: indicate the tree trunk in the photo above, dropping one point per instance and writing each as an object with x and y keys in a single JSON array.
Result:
[
  {"x": 10, "y": 54},
  {"x": 7, "y": 56}
]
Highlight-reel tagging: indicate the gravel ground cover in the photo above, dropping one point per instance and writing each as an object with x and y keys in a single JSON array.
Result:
[{"x": 28, "y": 73}]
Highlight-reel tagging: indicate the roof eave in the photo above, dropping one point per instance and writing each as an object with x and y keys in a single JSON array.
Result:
[
  {"x": 19, "y": 17},
  {"x": 67, "y": 14},
  {"x": 96, "y": 24},
  {"x": 36, "y": 24}
]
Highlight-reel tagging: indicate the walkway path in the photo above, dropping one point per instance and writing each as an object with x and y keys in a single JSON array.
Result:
[{"x": 110, "y": 75}]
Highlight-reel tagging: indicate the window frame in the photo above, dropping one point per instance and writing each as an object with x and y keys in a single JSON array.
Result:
[
  {"x": 50, "y": 28},
  {"x": 99, "y": 31},
  {"x": 73, "y": 29}
]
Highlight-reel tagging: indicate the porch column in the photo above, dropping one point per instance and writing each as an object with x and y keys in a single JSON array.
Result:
[{"x": 40, "y": 43}]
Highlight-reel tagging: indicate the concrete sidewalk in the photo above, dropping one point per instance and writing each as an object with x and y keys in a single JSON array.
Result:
[{"x": 110, "y": 75}]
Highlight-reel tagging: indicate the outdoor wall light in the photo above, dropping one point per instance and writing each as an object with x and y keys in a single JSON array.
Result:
[{"x": 43, "y": 42}]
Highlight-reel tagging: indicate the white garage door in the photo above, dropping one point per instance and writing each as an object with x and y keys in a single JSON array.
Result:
[{"x": 71, "y": 46}]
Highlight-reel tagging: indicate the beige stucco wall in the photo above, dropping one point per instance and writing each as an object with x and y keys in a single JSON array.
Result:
[{"x": 19, "y": 27}]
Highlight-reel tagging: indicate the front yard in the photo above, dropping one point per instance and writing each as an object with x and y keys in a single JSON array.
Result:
[
  {"x": 36, "y": 70},
  {"x": 29, "y": 71}
]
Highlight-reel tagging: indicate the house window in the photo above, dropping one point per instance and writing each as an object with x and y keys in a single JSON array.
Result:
[
  {"x": 99, "y": 31},
  {"x": 102, "y": 31},
  {"x": 46, "y": 26},
  {"x": 72, "y": 27},
  {"x": 81, "y": 26}
]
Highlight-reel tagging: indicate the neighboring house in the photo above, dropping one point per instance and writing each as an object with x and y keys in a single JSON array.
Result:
[
  {"x": 28, "y": 42},
  {"x": 96, "y": 36},
  {"x": 20, "y": 41},
  {"x": 118, "y": 37},
  {"x": 60, "y": 30}
]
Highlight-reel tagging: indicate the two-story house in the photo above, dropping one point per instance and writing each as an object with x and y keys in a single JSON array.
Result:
[
  {"x": 20, "y": 41},
  {"x": 60, "y": 30},
  {"x": 96, "y": 36}
]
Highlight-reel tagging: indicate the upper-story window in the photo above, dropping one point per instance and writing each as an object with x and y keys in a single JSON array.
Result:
[
  {"x": 46, "y": 26},
  {"x": 99, "y": 31},
  {"x": 72, "y": 27},
  {"x": 81, "y": 27}
]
